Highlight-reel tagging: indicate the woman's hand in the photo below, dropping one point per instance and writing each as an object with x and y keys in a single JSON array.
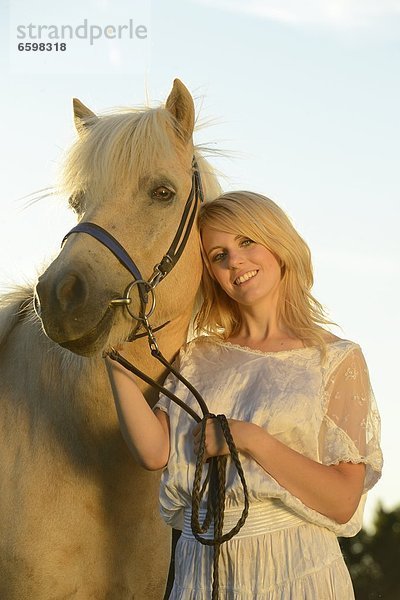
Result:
[{"x": 215, "y": 444}]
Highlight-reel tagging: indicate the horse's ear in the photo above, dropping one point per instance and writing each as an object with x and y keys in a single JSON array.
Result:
[
  {"x": 180, "y": 104},
  {"x": 83, "y": 116}
]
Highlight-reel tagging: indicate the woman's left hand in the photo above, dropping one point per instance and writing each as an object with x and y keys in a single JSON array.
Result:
[{"x": 215, "y": 444}]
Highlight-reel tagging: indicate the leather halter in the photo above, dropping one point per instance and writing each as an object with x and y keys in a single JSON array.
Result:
[{"x": 161, "y": 269}]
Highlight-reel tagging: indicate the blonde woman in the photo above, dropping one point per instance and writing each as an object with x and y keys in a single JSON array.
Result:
[{"x": 299, "y": 405}]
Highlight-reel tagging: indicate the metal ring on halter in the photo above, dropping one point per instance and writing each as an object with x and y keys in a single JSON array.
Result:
[{"x": 150, "y": 289}]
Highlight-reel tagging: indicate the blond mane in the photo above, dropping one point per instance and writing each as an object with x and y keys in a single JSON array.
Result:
[{"x": 116, "y": 151}]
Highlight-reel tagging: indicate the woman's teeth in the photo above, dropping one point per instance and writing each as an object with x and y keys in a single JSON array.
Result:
[{"x": 245, "y": 277}]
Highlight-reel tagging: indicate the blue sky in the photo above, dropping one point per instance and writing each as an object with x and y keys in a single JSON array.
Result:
[{"x": 303, "y": 97}]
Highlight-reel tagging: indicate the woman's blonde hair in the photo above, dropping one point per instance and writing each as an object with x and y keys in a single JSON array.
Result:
[{"x": 260, "y": 219}]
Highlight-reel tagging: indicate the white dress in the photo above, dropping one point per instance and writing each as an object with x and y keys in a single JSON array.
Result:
[{"x": 325, "y": 410}]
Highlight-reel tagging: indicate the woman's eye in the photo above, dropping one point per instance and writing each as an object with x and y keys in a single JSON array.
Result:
[
  {"x": 247, "y": 242},
  {"x": 218, "y": 257},
  {"x": 162, "y": 193}
]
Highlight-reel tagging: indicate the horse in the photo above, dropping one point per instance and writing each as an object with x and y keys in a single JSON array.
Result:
[{"x": 79, "y": 518}]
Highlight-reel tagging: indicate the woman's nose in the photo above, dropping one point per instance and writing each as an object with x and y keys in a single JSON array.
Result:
[{"x": 234, "y": 259}]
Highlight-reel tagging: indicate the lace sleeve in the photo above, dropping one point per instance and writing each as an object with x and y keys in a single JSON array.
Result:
[{"x": 350, "y": 430}]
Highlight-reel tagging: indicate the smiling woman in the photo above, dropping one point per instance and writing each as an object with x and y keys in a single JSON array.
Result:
[
  {"x": 243, "y": 233},
  {"x": 299, "y": 406}
]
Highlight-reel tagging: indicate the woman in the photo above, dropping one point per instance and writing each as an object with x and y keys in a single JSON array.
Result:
[{"x": 299, "y": 405}]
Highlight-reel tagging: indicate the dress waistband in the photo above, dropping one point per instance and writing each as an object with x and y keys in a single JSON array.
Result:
[{"x": 271, "y": 515}]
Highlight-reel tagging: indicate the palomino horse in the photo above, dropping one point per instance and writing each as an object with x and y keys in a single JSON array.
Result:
[{"x": 79, "y": 519}]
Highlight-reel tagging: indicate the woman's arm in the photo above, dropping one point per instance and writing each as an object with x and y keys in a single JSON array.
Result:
[
  {"x": 333, "y": 490},
  {"x": 146, "y": 432}
]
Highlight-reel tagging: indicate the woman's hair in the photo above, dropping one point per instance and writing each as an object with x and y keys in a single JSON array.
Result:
[{"x": 260, "y": 219}]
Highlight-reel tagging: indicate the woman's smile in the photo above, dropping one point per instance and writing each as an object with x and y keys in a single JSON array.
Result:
[{"x": 242, "y": 279}]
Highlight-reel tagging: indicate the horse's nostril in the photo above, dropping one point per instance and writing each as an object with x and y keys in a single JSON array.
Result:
[{"x": 71, "y": 292}]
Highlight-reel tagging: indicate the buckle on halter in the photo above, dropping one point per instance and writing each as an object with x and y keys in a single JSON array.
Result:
[{"x": 161, "y": 269}]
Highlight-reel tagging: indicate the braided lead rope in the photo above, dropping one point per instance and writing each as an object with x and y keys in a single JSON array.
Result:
[
  {"x": 216, "y": 480},
  {"x": 198, "y": 492},
  {"x": 218, "y": 519}
]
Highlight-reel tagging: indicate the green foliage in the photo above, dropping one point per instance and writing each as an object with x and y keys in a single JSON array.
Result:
[{"x": 373, "y": 559}]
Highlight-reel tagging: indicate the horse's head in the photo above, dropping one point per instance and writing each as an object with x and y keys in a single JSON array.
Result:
[{"x": 131, "y": 174}]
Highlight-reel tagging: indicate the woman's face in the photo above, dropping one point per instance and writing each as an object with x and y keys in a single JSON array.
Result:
[{"x": 247, "y": 271}]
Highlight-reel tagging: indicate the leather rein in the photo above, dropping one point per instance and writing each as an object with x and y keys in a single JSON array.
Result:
[{"x": 216, "y": 474}]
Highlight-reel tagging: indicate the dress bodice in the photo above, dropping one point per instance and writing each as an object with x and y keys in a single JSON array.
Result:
[{"x": 322, "y": 407}]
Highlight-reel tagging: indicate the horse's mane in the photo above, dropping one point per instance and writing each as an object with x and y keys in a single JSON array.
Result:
[
  {"x": 14, "y": 304},
  {"x": 117, "y": 149}
]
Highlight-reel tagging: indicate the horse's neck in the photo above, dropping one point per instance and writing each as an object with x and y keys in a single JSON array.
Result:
[{"x": 65, "y": 401}]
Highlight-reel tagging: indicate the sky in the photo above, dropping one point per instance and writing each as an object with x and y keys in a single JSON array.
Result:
[{"x": 301, "y": 97}]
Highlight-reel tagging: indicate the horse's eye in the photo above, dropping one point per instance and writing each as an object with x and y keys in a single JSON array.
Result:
[{"x": 162, "y": 193}]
